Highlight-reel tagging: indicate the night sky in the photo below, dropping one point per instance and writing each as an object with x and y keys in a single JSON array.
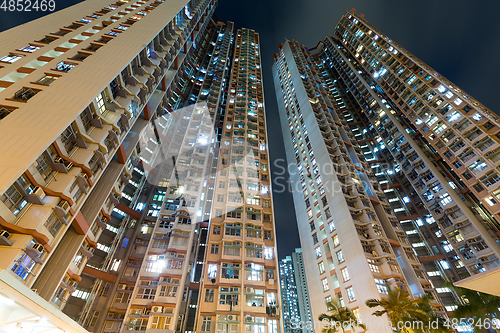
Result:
[{"x": 456, "y": 38}]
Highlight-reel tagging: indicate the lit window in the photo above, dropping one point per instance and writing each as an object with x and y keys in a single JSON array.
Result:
[
  {"x": 443, "y": 290},
  {"x": 65, "y": 66},
  {"x": 441, "y": 89},
  {"x": 336, "y": 240},
  {"x": 30, "y": 48},
  {"x": 444, "y": 264},
  {"x": 340, "y": 256},
  {"x": 449, "y": 94},
  {"x": 212, "y": 271},
  {"x": 350, "y": 294},
  {"x": 331, "y": 226},
  {"x": 381, "y": 286},
  {"x": 345, "y": 274},
  {"x": 324, "y": 282},
  {"x": 373, "y": 267},
  {"x": 457, "y": 101},
  {"x": 268, "y": 253},
  {"x": 318, "y": 252},
  {"x": 477, "y": 117},
  {"x": 321, "y": 267},
  {"x": 11, "y": 58}
]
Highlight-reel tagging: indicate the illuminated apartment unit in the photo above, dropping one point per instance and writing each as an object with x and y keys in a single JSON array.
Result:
[
  {"x": 239, "y": 291},
  {"x": 393, "y": 161},
  {"x": 87, "y": 225},
  {"x": 296, "y": 308}
]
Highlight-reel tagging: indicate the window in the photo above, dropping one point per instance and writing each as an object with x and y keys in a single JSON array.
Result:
[
  {"x": 232, "y": 248},
  {"x": 53, "y": 224},
  {"x": 324, "y": 283},
  {"x": 11, "y": 58},
  {"x": 381, "y": 286},
  {"x": 206, "y": 324},
  {"x": 23, "y": 266},
  {"x": 233, "y": 229},
  {"x": 230, "y": 270},
  {"x": 160, "y": 322},
  {"x": 220, "y": 198},
  {"x": 340, "y": 256},
  {"x": 443, "y": 290},
  {"x": 14, "y": 200},
  {"x": 268, "y": 253},
  {"x": 321, "y": 267},
  {"x": 254, "y": 272},
  {"x": 336, "y": 240},
  {"x": 315, "y": 238},
  {"x": 312, "y": 225},
  {"x": 209, "y": 295},
  {"x": 168, "y": 291},
  {"x": 373, "y": 265},
  {"x": 101, "y": 105},
  {"x": 318, "y": 252},
  {"x": 137, "y": 324},
  {"x": 30, "y": 48},
  {"x": 217, "y": 229},
  {"x": 146, "y": 293},
  {"x": 350, "y": 294},
  {"x": 214, "y": 249},
  {"x": 331, "y": 226},
  {"x": 65, "y": 66},
  {"x": 345, "y": 274},
  {"x": 228, "y": 295},
  {"x": 47, "y": 79},
  {"x": 212, "y": 271},
  {"x": 24, "y": 94}
]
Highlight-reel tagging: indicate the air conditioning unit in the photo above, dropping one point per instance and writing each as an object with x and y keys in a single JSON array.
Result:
[
  {"x": 38, "y": 247},
  {"x": 271, "y": 281},
  {"x": 64, "y": 205},
  {"x": 144, "y": 311},
  {"x": 157, "y": 309},
  {"x": 122, "y": 286},
  {"x": 230, "y": 317},
  {"x": 4, "y": 238},
  {"x": 38, "y": 191},
  {"x": 248, "y": 290}
]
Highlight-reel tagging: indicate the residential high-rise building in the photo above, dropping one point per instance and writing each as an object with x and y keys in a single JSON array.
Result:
[
  {"x": 110, "y": 171},
  {"x": 395, "y": 169},
  {"x": 289, "y": 297},
  {"x": 296, "y": 308},
  {"x": 239, "y": 291}
]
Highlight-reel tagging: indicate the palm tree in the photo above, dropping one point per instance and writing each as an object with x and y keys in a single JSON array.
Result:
[
  {"x": 425, "y": 304},
  {"x": 400, "y": 309},
  {"x": 339, "y": 316},
  {"x": 477, "y": 305}
]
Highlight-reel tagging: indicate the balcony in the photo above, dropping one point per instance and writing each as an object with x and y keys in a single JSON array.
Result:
[{"x": 24, "y": 94}]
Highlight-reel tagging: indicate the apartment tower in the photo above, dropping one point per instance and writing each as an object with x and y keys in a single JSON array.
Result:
[
  {"x": 296, "y": 308},
  {"x": 239, "y": 291},
  {"x": 108, "y": 174},
  {"x": 395, "y": 179}
]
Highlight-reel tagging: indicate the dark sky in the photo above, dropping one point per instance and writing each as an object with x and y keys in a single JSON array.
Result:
[{"x": 457, "y": 38}]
